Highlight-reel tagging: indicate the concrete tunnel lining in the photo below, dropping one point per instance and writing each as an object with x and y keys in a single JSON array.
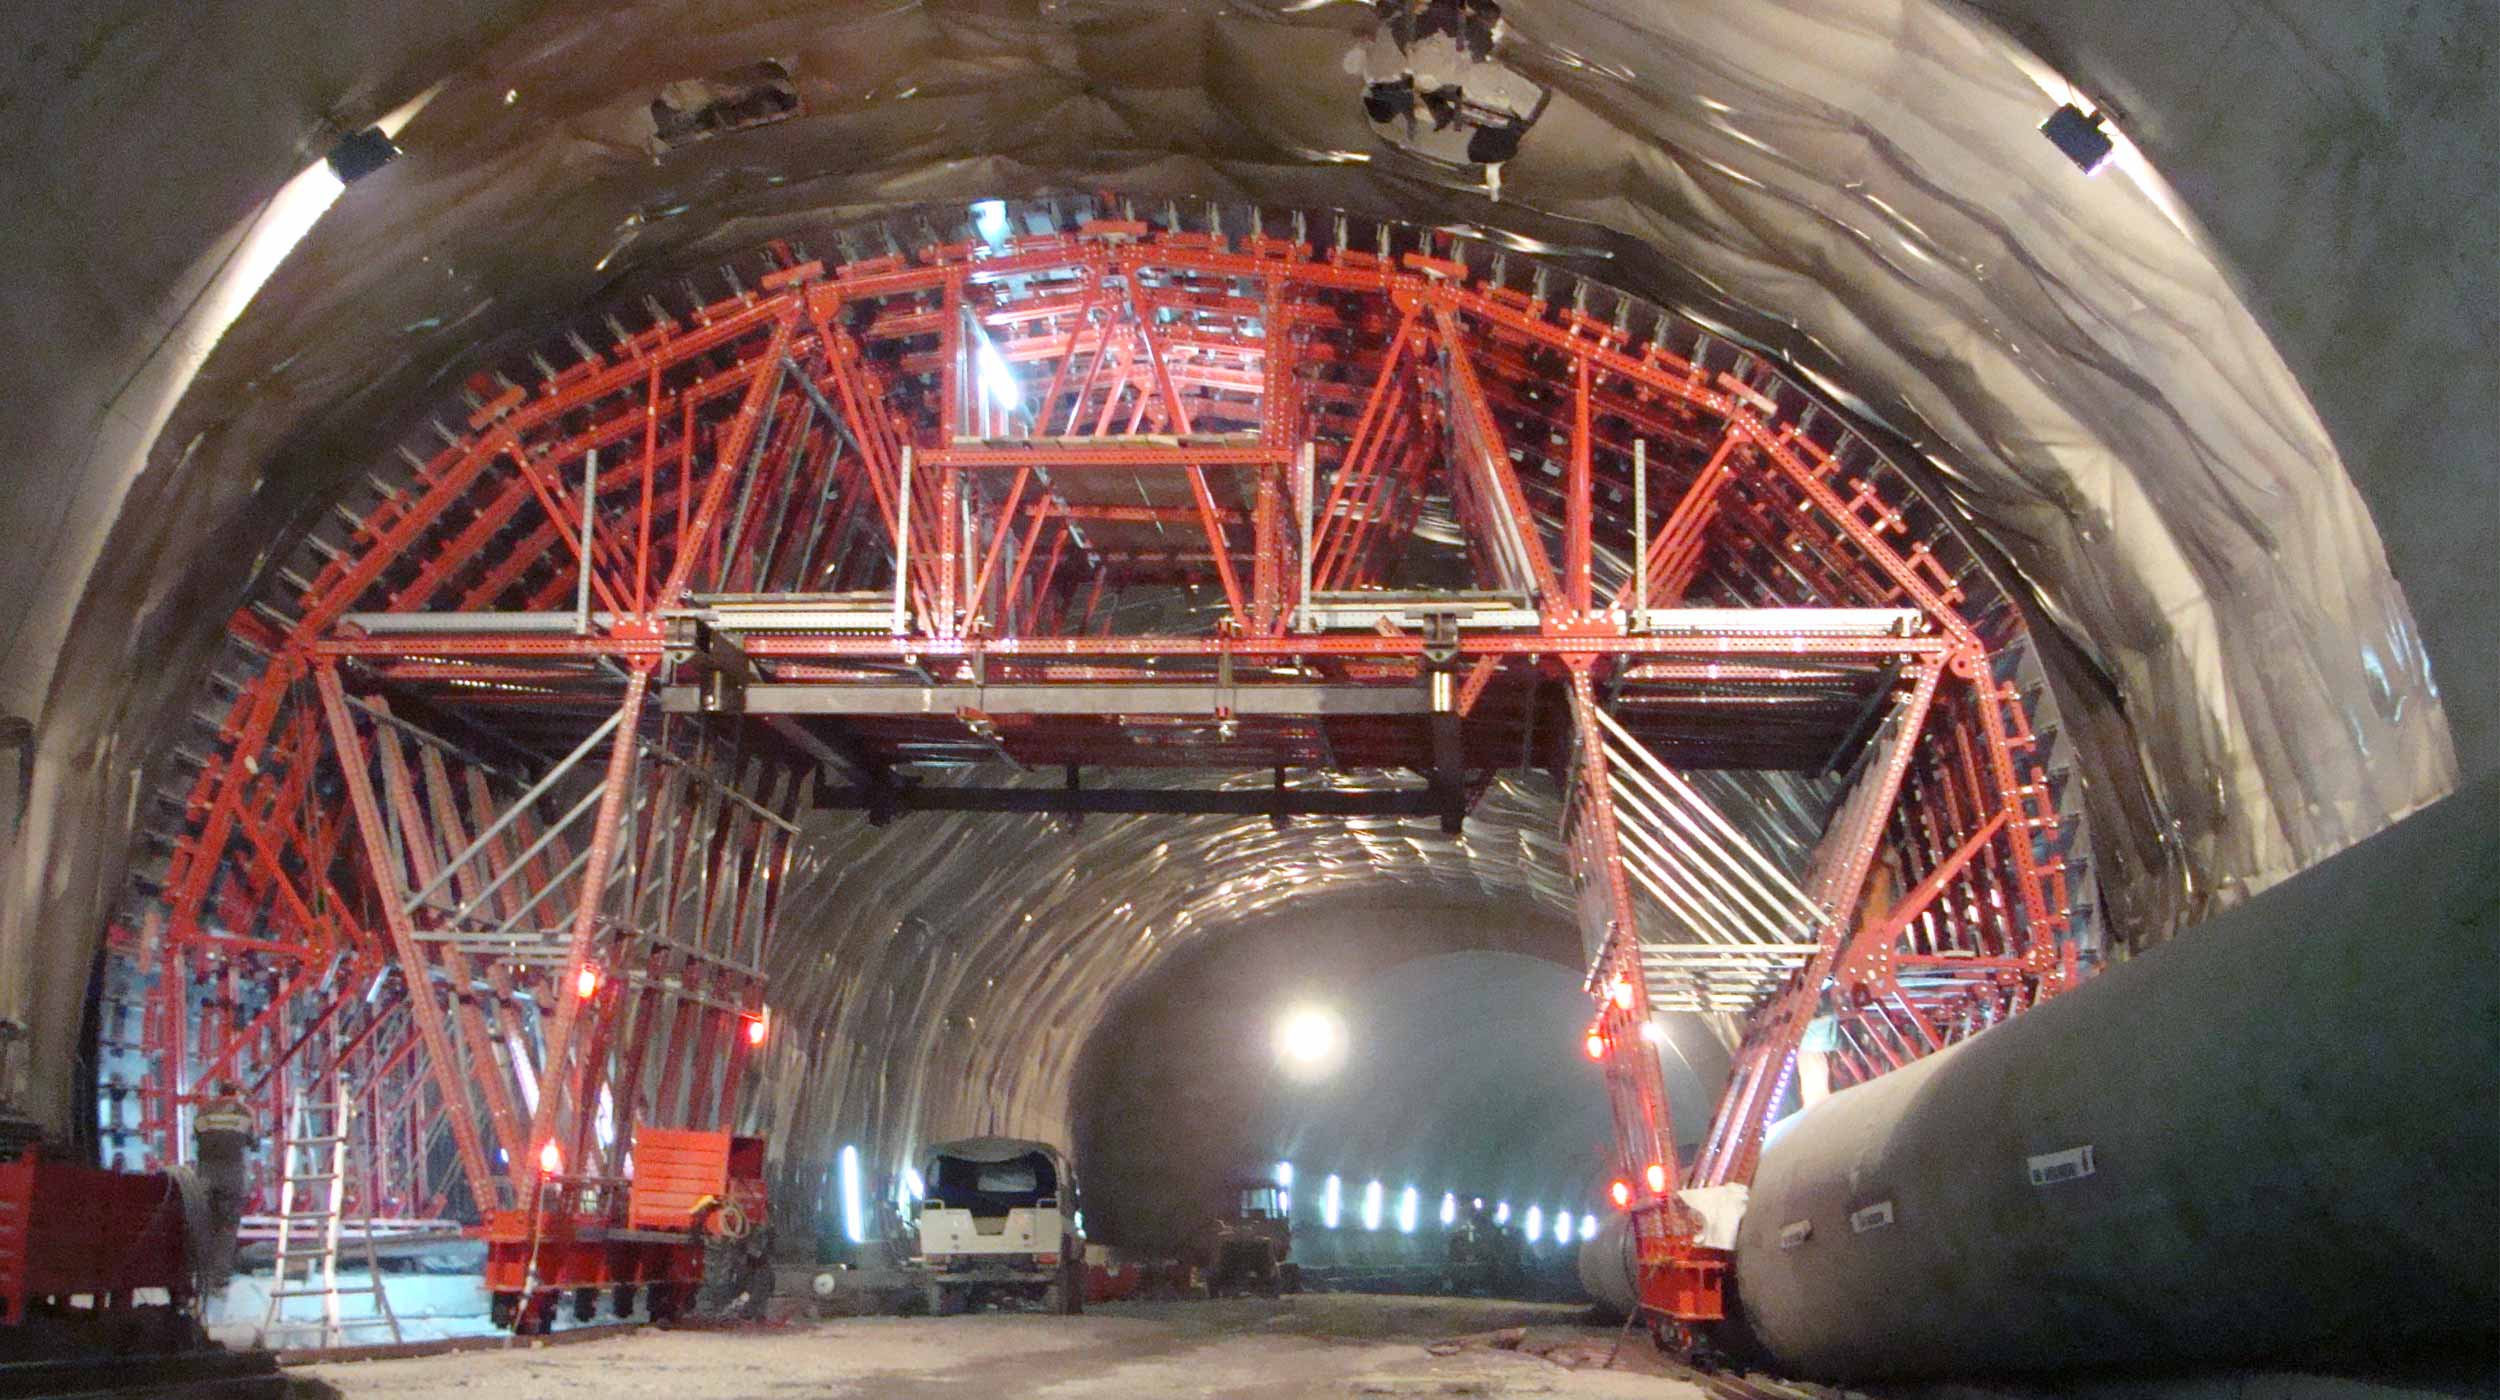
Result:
[{"x": 1748, "y": 221}]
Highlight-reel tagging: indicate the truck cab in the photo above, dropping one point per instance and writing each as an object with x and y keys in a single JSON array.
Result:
[{"x": 999, "y": 1224}]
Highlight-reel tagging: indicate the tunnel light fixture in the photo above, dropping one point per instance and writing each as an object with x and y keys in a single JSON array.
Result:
[
  {"x": 1449, "y": 1207},
  {"x": 1562, "y": 1227},
  {"x": 1372, "y": 1199},
  {"x": 1534, "y": 1224},
  {"x": 1331, "y": 1201},
  {"x": 359, "y": 154},
  {"x": 2078, "y": 135},
  {"x": 1284, "y": 1203},
  {"x": 1284, "y": 1174},
  {"x": 1588, "y": 1227},
  {"x": 854, "y": 1222},
  {"x": 1310, "y": 1042},
  {"x": 1501, "y": 1212},
  {"x": 1656, "y": 1176},
  {"x": 1410, "y": 1207}
]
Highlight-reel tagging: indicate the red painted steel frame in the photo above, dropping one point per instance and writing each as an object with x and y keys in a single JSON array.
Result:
[{"x": 980, "y": 457}]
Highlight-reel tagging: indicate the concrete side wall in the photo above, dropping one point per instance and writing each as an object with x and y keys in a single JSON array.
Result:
[{"x": 2293, "y": 1136}]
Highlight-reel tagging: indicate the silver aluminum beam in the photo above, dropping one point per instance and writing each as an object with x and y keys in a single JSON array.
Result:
[{"x": 854, "y": 699}]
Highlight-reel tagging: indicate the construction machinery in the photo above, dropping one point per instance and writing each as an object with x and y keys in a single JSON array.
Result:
[
  {"x": 999, "y": 1225},
  {"x": 1250, "y": 1244},
  {"x": 694, "y": 1196}
]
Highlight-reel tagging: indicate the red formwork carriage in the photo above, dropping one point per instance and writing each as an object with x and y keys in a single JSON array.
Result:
[{"x": 506, "y": 772}]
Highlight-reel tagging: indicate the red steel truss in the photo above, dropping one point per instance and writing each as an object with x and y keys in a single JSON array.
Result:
[{"x": 499, "y": 795}]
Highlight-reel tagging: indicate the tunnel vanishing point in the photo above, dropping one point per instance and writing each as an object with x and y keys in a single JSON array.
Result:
[{"x": 585, "y": 573}]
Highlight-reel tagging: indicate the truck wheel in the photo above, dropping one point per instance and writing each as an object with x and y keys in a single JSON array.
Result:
[
  {"x": 585, "y": 1304},
  {"x": 503, "y": 1308}
]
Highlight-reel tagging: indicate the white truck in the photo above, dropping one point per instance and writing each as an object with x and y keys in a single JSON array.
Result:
[{"x": 999, "y": 1223}]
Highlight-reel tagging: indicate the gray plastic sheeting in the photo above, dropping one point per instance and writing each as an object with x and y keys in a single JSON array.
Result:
[{"x": 1856, "y": 182}]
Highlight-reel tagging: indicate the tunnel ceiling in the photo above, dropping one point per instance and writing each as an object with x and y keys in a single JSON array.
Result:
[{"x": 1858, "y": 190}]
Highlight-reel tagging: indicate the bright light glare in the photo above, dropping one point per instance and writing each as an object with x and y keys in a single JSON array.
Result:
[
  {"x": 1409, "y": 1205},
  {"x": 1449, "y": 1207},
  {"x": 997, "y": 380},
  {"x": 989, "y": 219},
  {"x": 1371, "y": 1206},
  {"x": 1284, "y": 1202},
  {"x": 914, "y": 1189},
  {"x": 1310, "y": 1041},
  {"x": 1588, "y": 1227},
  {"x": 1331, "y": 1201},
  {"x": 1562, "y": 1227},
  {"x": 1501, "y": 1212},
  {"x": 854, "y": 1225},
  {"x": 1284, "y": 1173},
  {"x": 1534, "y": 1225}
]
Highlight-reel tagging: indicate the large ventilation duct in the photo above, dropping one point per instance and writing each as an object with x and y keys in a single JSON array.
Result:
[{"x": 2273, "y": 1138}]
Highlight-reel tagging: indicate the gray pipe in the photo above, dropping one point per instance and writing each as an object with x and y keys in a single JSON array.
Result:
[{"x": 2293, "y": 1115}]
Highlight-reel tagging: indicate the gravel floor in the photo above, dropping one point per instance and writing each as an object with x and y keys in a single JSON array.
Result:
[{"x": 1323, "y": 1345}]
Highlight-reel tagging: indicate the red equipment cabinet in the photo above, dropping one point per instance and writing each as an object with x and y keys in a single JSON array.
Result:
[
  {"x": 69, "y": 1231},
  {"x": 587, "y": 1236}
]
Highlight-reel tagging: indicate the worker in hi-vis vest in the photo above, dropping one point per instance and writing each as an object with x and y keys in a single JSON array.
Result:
[{"x": 221, "y": 1132}]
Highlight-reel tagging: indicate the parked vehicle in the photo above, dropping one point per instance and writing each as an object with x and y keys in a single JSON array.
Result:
[{"x": 999, "y": 1225}]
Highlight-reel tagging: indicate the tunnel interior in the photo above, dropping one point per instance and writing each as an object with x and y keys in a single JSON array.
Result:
[{"x": 2041, "y": 392}]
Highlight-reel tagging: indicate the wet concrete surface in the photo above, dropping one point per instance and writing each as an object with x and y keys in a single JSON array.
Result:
[{"x": 1240, "y": 1349}]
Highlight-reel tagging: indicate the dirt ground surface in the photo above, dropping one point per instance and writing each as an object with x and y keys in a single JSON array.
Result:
[{"x": 1240, "y": 1349}]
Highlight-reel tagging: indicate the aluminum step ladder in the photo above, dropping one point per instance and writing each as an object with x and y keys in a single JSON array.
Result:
[{"x": 312, "y": 1201}]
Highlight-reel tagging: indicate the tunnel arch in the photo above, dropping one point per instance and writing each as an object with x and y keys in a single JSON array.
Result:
[
  {"x": 475, "y": 525},
  {"x": 577, "y": 190}
]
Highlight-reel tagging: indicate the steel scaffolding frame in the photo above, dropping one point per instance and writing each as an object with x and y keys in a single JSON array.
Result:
[{"x": 503, "y": 787}]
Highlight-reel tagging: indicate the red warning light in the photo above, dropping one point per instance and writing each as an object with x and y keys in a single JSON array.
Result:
[
  {"x": 586, "y": 982},
  {"x": 755, "y": 1030},
  {"x": 1596, "y": 1046},
  {"x": 1622, "y": 1192},
  {"x": 550, "y": 1158},
  {"x": 1621, "y": 992},
  {"x": 1656, "y": 1176}
]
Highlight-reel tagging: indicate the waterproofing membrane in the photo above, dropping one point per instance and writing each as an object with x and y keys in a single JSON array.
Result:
[{"x": 1856, "y": 183}]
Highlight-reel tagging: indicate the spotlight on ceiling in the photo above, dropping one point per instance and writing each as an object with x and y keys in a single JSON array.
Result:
[
  {"x": 362, "y": 153},
  {"x": 1310, "y": 1042},
  {"x": 2080, "y": 136}
]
